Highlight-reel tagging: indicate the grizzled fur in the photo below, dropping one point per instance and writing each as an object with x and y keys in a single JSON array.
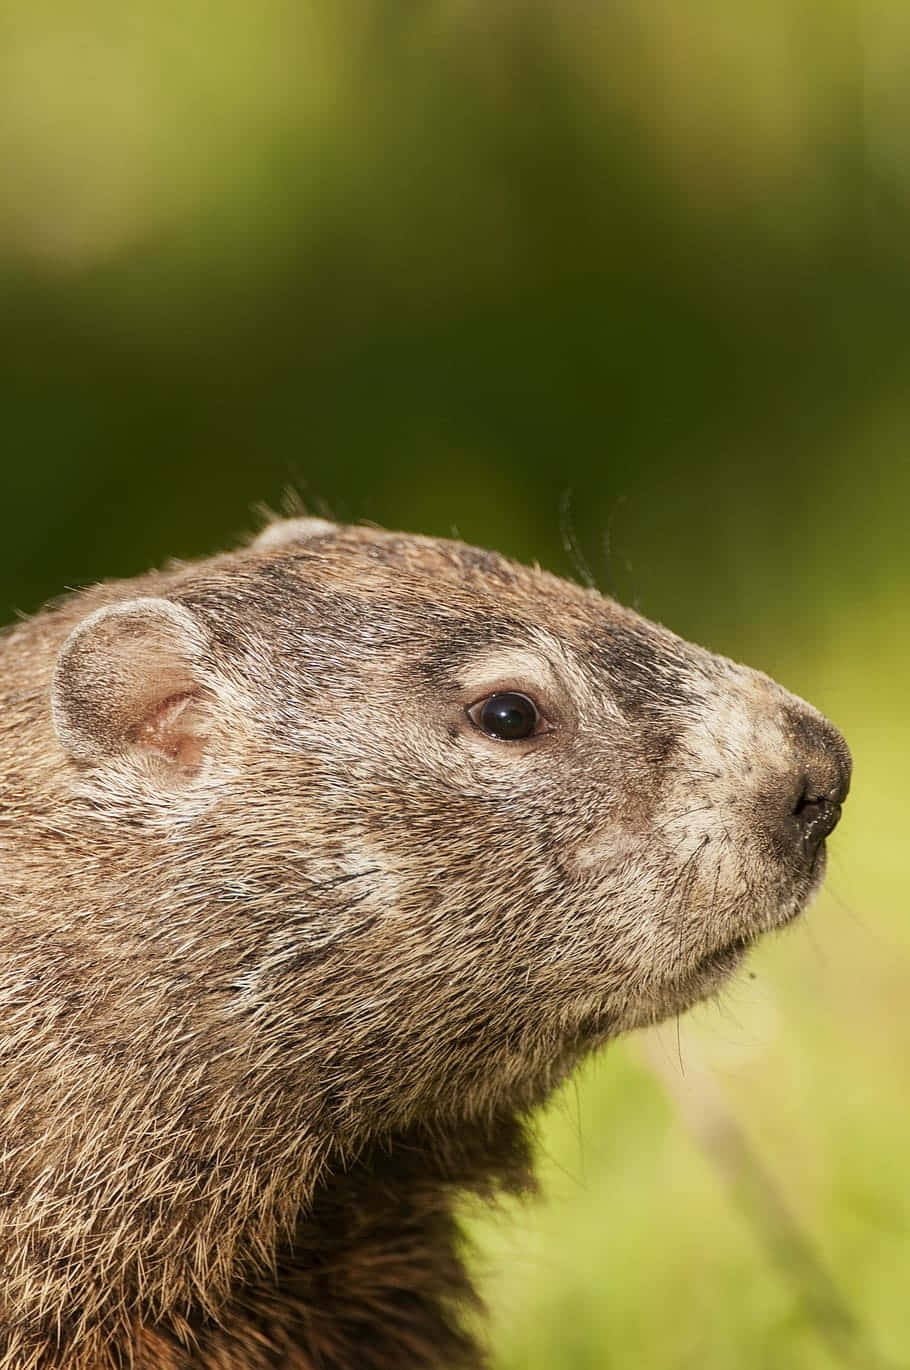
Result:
[{"x": 289, "y": 948}]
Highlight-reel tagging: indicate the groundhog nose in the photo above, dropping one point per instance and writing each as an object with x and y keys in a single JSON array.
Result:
[{"x": 822, "y": 781}]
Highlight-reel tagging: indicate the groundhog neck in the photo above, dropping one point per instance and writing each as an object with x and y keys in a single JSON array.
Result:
[{"x": 373, "y": 1278}]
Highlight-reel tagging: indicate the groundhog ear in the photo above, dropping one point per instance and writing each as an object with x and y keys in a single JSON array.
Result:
[
  {"x": 128, "y": 679},
  {"x": 287, "y": 531}
]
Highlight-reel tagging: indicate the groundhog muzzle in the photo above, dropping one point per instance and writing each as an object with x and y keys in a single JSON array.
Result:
[{"x": 321, "y": 864}]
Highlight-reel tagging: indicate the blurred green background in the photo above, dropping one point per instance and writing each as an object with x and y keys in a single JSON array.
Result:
[{"x": 634, "y": 275}]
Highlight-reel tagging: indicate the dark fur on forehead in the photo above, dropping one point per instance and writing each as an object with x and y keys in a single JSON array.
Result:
[
  {"x": 646, "y": 676},
  {"x": 458, "y": 643},
  {"x": 376, "y": 591}
]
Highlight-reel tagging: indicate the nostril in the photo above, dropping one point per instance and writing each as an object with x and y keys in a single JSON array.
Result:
[
  {"x": 816, "y": 815},
  {"x": 804, "y": 798}
]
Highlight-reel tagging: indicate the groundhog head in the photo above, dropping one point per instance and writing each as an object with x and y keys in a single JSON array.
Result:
[
  {"x": 321, "y": 862},
  {"x": 397, "y": 829}
]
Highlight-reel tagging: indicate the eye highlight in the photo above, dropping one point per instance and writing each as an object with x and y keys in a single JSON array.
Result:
[{"x": 507, "y": 717}]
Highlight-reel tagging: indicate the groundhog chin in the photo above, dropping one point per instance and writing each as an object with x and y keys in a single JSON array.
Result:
[{"x": 703, "y": 978}]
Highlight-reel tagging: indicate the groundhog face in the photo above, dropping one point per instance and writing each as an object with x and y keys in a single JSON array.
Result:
[{"x": 429, "y": 824}]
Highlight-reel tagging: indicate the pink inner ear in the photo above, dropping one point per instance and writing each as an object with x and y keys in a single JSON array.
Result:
[{"x": 169, "y": 730}]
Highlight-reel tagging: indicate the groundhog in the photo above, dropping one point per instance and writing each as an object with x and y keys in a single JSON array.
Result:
[{"x": 322, "y": 862}]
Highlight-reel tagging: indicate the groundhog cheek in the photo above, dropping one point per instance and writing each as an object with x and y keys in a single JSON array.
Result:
[{"x": 607, "y": 855}]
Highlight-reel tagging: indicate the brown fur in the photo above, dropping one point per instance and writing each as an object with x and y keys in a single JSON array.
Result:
[{"x": 290, "y": 950}]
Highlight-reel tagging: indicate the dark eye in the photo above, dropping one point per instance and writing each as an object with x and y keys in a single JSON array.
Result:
[{"x": 508, "y": 716}]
